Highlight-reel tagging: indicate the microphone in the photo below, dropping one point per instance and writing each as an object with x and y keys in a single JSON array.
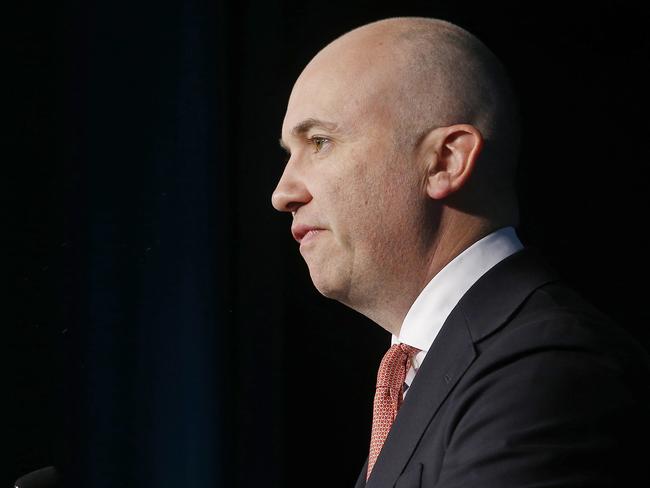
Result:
[{"x": 41, "y": 478}]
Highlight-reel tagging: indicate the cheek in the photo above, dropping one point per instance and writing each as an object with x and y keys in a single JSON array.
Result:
[
  {"x": 370, "y": 207},
  {"x": 369, "y": 198},
  {"x": 393, "y": 210}
]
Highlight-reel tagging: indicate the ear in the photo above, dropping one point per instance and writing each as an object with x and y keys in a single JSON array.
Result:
[{"x": 450, "y": 154}]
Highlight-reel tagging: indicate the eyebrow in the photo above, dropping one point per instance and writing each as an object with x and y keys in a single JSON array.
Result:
[{"x": 306, "y": 125}]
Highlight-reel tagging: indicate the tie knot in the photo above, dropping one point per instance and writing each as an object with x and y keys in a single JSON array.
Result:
[
  {"x": 394, "y": 366},
  {"x": 410, "y": 350}
]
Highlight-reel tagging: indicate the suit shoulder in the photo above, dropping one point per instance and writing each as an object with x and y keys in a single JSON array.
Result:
[{"x": 557, "y": 318}]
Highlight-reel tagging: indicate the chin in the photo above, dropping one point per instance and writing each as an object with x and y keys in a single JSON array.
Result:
[{"x": 328, "y": 286}]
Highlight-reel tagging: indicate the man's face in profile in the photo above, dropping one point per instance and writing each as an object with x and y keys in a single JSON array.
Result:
[{"x": 347, "y": 177}]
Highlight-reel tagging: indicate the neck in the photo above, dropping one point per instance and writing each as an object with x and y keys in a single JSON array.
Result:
[{"x": 457, "y": 231}]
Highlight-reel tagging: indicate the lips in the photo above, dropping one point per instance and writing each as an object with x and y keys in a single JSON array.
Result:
[{"x": 301, "y": 231}]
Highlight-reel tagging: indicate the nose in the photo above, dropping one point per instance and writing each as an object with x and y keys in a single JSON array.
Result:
[{"x": 291, "y": 192}]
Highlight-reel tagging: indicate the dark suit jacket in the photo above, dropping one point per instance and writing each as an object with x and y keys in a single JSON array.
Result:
[{"x": 526, "y": 385}]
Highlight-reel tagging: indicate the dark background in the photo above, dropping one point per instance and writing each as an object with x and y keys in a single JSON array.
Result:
[{"x": 161, "y": 327}]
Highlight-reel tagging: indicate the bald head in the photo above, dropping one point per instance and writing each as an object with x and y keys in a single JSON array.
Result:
[
  {"x": 426, "y": 73},
  {"x": 442, "y": 73},
  {"x": 402, "y": 142}
]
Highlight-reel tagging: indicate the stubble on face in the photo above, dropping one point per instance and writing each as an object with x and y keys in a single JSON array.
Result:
[
  {"x": 367, "y": 190},
  {"x": 390, "y": 85}
]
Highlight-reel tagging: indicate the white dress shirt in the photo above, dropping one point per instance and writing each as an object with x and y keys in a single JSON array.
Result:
[{"x": 435, "y": 302}]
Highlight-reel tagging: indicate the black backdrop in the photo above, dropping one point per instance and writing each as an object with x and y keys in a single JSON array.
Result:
[{"x": 161, "y": 328}]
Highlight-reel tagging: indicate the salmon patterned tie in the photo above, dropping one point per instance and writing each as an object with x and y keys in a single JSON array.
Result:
[{"x": 388, "y": 396}]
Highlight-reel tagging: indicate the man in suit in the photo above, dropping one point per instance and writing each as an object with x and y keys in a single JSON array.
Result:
[{"x": 403, "y": 140}]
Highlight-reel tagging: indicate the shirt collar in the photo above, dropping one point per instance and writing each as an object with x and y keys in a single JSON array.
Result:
[{"x": 435, "y": 302}]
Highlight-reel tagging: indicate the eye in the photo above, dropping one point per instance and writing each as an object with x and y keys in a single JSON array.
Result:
[{"x": 318, "y": 142}]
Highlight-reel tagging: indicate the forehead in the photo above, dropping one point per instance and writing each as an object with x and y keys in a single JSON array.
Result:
[{"x": 345, "y": 84}]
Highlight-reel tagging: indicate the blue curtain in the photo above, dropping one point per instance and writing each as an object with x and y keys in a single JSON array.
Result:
[{"x": 148, "y": 222}]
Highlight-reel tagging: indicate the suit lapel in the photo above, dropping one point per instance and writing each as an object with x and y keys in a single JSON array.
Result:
[{"x": 483, "y": 309}]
